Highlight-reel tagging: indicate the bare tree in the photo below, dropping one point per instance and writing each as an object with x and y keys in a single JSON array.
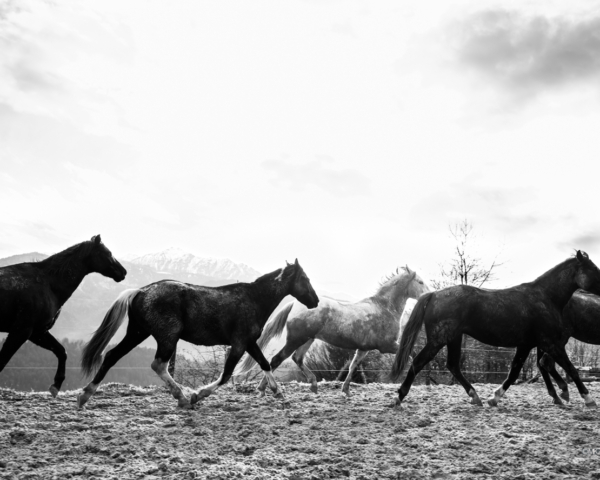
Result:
[{"x": 465, "y": 268}]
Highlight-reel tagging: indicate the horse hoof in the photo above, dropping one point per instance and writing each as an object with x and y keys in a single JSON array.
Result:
[
  {"x": 287, "y": 405},
  {"x": 313, "y": 388},
  {"x": 81, "y": 401},
  {"x": 196, "y": 397},
  {"x": 53, "y": 391},
  {"x": 592, "y": 404},
  {"x": 397, "y": 405},
  {"x": 565, "y": 395},
  {"x": 492, "y": 402},
  {"x": 279, "y": 395},
  {"x": 557, "y": 401},
  {"x": 184, "y": 404}
]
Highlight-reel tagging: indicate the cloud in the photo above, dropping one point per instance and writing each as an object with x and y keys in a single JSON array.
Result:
[
  {"x": 583, "y": 241},
  {"x": 503, "y": 209},
  {"x": 339, "y": 182},
  {"x": 43, "y": 142},
  {"x": 527, "y": 54}
]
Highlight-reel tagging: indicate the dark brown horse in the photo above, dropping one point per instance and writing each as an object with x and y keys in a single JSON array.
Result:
[
  {"x": 581, "y": 317},
  {"x": 32, "y": 294},
  {"x": 525, "y": 316},
  {"x": 168, "y": 310}
]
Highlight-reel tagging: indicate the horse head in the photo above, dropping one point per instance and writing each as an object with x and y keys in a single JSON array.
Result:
[
  {"x": 402, "y": 284},
  {"x": 587, "y": 276},
  {"x": 301, "y": 288},
  {"x": 101, "y": 260}
]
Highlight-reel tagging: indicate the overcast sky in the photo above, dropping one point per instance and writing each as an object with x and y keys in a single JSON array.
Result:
[{"x": 347, "y": 134}]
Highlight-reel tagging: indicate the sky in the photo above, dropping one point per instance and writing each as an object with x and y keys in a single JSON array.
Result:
[{"x": 347, "y": 134}]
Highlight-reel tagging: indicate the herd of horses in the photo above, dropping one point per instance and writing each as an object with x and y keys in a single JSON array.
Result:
[{"x": 543, "y": 314}]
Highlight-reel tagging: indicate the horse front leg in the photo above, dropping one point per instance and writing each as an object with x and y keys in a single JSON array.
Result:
[
  {"x": 160, "y": 365},
  {"x": 235, "y": 354},
  {"x": 560, "y": 356},
  {"x": 516, "y": 366},
  {"x": 47, "y": 341},
  {"x": 254, "y": 351},
  {"x": 549, "y": 366},
  {"x": 546, "y": 365}
]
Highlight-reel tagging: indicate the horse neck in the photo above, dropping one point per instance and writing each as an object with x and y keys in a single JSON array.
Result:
[
  {"x": 64, "y": 279},
  {"x": 271, "y": 292},
  {"x": 394, "y": 299},
  {"x": 559, "y": 284}
]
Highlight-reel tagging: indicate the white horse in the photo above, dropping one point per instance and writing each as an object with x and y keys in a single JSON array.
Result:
[{"x": 371, "y": 324}]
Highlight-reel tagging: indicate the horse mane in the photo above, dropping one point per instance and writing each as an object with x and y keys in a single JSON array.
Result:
[
  {"x": 271, "y": 276},
  {"x": 387, "y": 278},
  {"x": 564, "y": 265},
  {"x": 63, "y": 262}
]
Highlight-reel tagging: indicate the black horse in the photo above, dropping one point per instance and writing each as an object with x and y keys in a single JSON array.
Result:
[
  {"x": 32, "y": 294},
  {"x": 525, "y": 316},
  {"x": 581, "y": 317},
  {"x": 169, "y": 310}
]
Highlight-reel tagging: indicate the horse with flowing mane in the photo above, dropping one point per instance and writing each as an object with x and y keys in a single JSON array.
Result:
[
  {"x": 525, "y": 316},
  {"x": 169, "y": 310},
  {"x": 32, "y": 294},
  {"x": 371, "y": 324}
]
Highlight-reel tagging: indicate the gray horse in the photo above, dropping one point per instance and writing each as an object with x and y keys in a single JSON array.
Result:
[{"x": 371, "y": 324}]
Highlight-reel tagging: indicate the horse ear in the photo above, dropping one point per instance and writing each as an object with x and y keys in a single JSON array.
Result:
[
  {"x": 582, "y": 256},
  {"x": 296, "y": 262},
  {"x": 287, "y": 264},
  {"x": 96, "y": 239}
]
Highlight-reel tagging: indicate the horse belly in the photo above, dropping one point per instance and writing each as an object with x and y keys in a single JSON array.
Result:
[{"x": 356, "y": 333}]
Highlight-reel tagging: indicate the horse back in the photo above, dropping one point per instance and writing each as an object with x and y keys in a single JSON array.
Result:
[
  {"x": 26, "y": 298},
  {"x": 505, "y": 317}
]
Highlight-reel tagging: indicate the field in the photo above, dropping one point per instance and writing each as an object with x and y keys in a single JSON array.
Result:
[{"x": 128, "y": 432}]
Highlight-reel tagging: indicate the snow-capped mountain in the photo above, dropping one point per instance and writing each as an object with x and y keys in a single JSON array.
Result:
[{"x": 177, "y": 260}]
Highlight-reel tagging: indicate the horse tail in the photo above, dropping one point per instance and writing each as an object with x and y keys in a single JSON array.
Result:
[
  {"x": 271, "y": 330},
  {"x": 409, "y": 335},
  {"x": 92, "y": 357}
]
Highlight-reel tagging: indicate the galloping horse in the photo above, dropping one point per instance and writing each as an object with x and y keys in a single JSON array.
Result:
[
  {"x": 371, "y": 324},
  {"x": 32, "y": 294},
  {"x": 525, "y": 316},
  {"x": 581, "y": 316},
  {"x": 169, "y": 310}
]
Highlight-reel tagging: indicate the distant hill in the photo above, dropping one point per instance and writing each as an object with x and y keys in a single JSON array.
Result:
[{"x": 176, "y": 260}]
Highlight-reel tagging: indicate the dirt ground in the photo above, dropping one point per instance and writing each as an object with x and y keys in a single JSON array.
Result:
[{"x": 133, "y": 433}]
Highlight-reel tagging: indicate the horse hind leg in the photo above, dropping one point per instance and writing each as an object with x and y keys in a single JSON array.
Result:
[
  {"x": 453, "y": 364},
  {"x": 132, "y": 339},
  {"x": 13, "y": 342},
  {"x": 298, "y": 358},
  {"x": 425, "y": 356},
  {"x": 358, "y": 358}
]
